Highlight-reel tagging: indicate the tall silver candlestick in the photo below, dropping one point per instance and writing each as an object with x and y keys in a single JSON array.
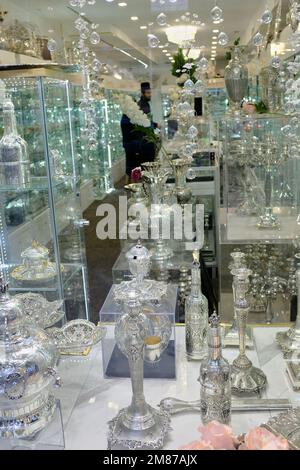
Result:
[
  {"x": 139, "y": 425},
  {"x": 231, "y": 333},
  {"x": 245, "y": 378},
  {"x": 289, "y": 341}
]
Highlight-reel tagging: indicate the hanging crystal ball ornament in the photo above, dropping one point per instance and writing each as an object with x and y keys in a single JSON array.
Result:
[
  {"x": 161, "y": 19},
  {"x": 267, "y": 16},
  {"x": 203, "y": 64},
  {"x": 189, "y": 86},
  {"x": 199, "y": 86},
  {"x": 153, "y": 41},
  {"x": 223, "y": 39},
  {"x": 192, "y": 132},
  {"x": 276, "y": 62},
  {"x": 96, "y": 65},
  {"x": 91, "y": 2},
  {"x": 52, "y": 45},
  {"x": 216, "y": 14},
  {"x": 258, "y": 39},
  {"x": 94, "y": 38}
]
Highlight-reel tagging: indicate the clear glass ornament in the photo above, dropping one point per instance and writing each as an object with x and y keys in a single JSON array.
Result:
[
  {"x": 223, "y": 39},
  {"x": 203, "y": 64},
  {"x": 74, "y": 3},
  {"x": 276, "y": 62},
  {"x": 216, "y": 14},
  {"x": 94, "y": 38},
  {"x": 84, "y": 33},
  {"x": 258, "y": 39},
  {"x": 91, "y": 2},
  {"x": 161, "y": 19},
  {"x": 192, "y": 132},
  {"x": 189, "y": 85},
  {"x": 96, "y": 65},
  {"x": 286, "y": 130},
  {"x": 267, "y": 16},
  {"x": 153, "y": 41},
  {"x": 294, "y": 123},
  {"x": 52, "y": 45},
  {"x": 199, "y": 86}
]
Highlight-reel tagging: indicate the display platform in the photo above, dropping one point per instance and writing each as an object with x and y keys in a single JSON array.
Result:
[{"x": 95, "y": 400}]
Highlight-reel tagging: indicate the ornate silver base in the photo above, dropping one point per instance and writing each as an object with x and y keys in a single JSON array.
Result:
[
  {"x": 245, "y": 378},
  {"x": 293, "y": 372},
  {"x": 161, "y": 251},
  {"x": 230, "y": 337},
  {"x": 28, "y": 421},
  {"x": 289, "y": 343},
  {"x": 268, "y": 220},
  {"x": 150, "y": 438}
]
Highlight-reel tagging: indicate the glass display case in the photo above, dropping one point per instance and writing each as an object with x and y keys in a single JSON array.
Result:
[
  {"x": 260, "y": 213},
  {"x": 261, "y": 190},
  {"x": 42, "y": 248}
]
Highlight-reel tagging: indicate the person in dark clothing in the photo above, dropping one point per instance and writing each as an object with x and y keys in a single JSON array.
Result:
[{"x": 137, "y": 148}]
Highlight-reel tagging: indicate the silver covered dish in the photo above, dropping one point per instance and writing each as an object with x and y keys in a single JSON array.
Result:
[
  {"x": 36, "y": 266},
  {"x": 27, "y": 373}
]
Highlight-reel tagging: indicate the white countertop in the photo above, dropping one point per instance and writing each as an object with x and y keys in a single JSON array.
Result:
[{"x": 89, "y": 401}]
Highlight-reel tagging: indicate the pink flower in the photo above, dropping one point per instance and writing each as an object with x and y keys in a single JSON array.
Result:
[
  {"x": 136, "y": 174},
  {"x": 262, "y": 439},
  {"x": 219, "y": 435},
  {"x": 198, "y": 445}
]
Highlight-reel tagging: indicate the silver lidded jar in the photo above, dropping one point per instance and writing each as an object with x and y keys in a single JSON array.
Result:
[
  {"x": 28, "y": 358},
  {"x": 215, "y": 379}
]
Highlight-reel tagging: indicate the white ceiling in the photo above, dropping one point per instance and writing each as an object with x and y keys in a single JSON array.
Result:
[{"x": 111, "y": 17}]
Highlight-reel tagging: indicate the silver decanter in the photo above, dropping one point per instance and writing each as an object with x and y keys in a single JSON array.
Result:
[
  {"x": 236, "y": 79},
  {"x": 196, "y": 316},
  {"x": 28, "y": 359},
  {"x": 139, "y": 425},
  {"x": 245, "y": 377},
  {"x": 215, "y": 396},
  {"x": 14, "y": 161}
]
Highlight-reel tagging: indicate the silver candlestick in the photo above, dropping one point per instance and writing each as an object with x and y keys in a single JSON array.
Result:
[
  {"x": 139, "y": 425},
  {"x": 245, "y": 378},
  {"x": 289, "y": 341},
  {"x": 231, "y": 333}
]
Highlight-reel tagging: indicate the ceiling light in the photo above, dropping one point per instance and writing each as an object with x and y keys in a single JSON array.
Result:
[
  {"x": 165, "y": 50},
  {"x": 143, "y": 27},
  {"x": 216, "y": 31},
  {"x": 134, "y": 18},
  {"x": 160, "y": 46},
  {"x": 122, "y": 4},
  {"x": 214, "y": 42},
  {"x": 181, "y": 33},
  {"x": 168, "y": 54},
  {"x": 215, "y": 37}
]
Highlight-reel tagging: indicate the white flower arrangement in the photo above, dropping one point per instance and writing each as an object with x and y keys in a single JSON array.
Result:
[
  {"x": 183, "y": 78},
  {"x": 131, "y": 109}
]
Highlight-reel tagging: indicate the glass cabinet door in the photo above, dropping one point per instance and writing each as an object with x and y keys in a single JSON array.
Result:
[{"x": 42, "y": 240}]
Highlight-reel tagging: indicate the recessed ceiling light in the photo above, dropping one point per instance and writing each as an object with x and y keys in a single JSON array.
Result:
[
  {"x": 160, "y": 46},
  {"x": 214, "y": 42},
  {"x": 134, "y": 18},
  {"x": 215, "y": 37},
  {"x": 168, "y": 54},
  {"x": 214, "y": 47},
  {"x": 165, "y": 50},
  {"x": 122, "y": 4},
  {"x": 215, "y": 31},
  {"x": 143, "y": 27}
]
